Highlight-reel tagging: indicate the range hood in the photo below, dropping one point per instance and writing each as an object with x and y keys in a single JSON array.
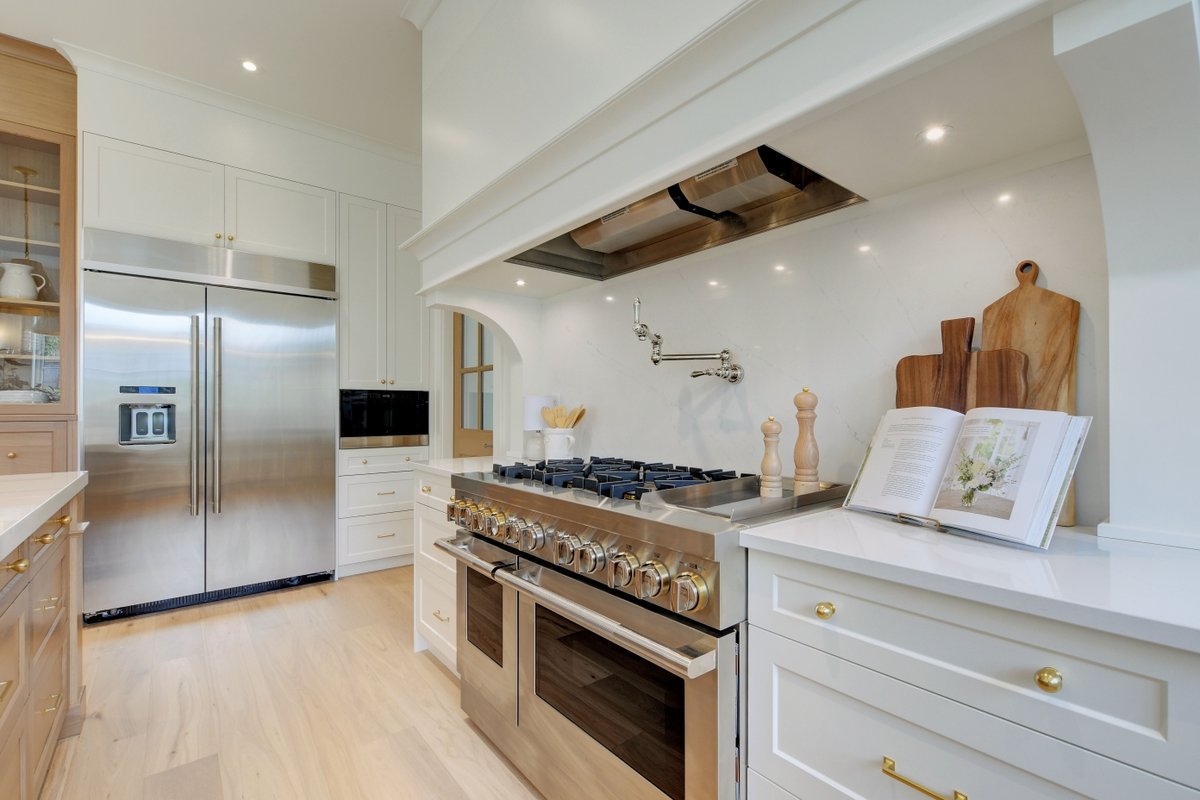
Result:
[{"x": 754, "y": 192}]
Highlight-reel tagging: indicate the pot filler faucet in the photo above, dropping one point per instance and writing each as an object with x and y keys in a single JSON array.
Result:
[{"x": 728, "y": 370}]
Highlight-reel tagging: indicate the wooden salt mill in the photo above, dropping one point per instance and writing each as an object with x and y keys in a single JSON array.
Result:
[
  {"x": 771, "y": 484},
  {"x": 806, "y": 454}
]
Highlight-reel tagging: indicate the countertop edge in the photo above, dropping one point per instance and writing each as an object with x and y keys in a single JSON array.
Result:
[{"x": 31, "y": 499}]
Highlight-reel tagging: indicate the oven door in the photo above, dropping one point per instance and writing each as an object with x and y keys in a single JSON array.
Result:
[
  {"x": 620, "y": 701},
  {"x": 487, "y": 635}
]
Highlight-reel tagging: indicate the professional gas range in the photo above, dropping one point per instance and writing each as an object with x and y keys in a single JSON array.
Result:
[{"x": 601, "y": 604}]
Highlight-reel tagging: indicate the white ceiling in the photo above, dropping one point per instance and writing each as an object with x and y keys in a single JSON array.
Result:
[{"x": 353, "y": 64}]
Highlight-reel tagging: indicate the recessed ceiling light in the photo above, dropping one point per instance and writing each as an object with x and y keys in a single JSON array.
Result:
[
  {"x": 714, "y": 283},
  {"x": 249, "y": 66},
  {"x": 780, "y": 267},
  {"x": 936, "y": 133},
  {"x": 609, "y": 298},
  {"x": 1004, "y": 198},
  {"x": 520, "y": 281},
  {"x": 864, "y": 248}
]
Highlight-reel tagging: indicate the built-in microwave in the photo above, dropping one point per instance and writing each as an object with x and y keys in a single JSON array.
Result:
[{"x": 371, "y": 418}]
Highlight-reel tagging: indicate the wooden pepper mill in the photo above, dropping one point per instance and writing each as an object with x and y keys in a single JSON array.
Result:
[
  {"x": 807, "y": 456},
  {"x": 771, "y": 484}
]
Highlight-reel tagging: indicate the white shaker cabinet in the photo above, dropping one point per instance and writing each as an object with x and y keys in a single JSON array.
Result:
[
  {"x": 136, "y": 189},
  {"x": 434, "y": 573},
  {"x": 375, "y": 508},
  {"x": 383, "y": 321}
]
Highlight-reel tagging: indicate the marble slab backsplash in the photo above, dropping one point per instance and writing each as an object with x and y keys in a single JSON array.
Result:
[{"x": 832, "y": 304}]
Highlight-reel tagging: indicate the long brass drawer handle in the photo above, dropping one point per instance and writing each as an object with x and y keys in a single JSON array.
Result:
[
  {"x": 825, "y": 610},
  {"x": 4, "y": 687},
  {"x": 385, "y": 494},
  {"x": 438, "y": 616},
  {"x": 18, "y": 566},
  {"x": 889, "y": 769},
  {"x": 51, "y": 603},
  {"x": 385, "y": 535},
  {"x": 55, "y": 698},
  {"x": 1049, "y": 679}
]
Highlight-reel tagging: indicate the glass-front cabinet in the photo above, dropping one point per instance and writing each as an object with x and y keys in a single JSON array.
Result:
[{"x": 37, "y": 267}]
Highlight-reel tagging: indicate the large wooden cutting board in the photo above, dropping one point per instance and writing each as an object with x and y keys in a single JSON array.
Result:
[
  {"x": 958, "y": 378},
  {"x": 1045, "y": 326}
]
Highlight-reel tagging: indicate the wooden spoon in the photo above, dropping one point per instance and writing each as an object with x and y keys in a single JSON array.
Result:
[
  {"x": 579, "y": 417},
  {"x": 548, "y": 416},
  {"x": 572, "y": 417}
]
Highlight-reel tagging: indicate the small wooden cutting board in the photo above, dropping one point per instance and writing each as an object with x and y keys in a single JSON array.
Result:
[
  {"x": 958, "y": 379},
  {"x": 1045, "y": 326}
]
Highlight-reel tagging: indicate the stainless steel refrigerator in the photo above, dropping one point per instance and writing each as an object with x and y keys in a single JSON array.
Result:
[{"x": 209, "y": 427}]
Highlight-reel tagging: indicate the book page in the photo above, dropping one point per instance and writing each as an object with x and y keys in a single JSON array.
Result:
[
  {"x": 998, "y": 471},
  {"x": 906, "y": 460}
]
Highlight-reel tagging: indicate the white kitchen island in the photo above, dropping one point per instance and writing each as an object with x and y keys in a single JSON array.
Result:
[
  {"x": 881, "y": 652},
  {"x": 40, "y": 583}
]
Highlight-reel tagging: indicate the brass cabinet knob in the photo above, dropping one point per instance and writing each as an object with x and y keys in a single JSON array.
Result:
[
  {"x": 426, "y": 489},
  {"x": 383, "y": 381},
  {"x": 364, "y": 461},
  {"x": 12, "y": 455},
  {"x": 391, "y": 381},
  {"x": 408, "y": 458},
  {"x": 218, "y": 234},
  {"x": 825, "y": 610},
  {"x": 229, "y": 236},
  {"x": 45, "y": 538},
  {"x": 65, "y": 519},
  {"x": 1049, "y": 679},
  {"x": 20, "y": 565}
]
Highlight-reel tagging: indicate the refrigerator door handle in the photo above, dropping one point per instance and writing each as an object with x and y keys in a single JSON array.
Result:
[
  {"x": 196, "y": 454},
  {"x": 216, "y": 415}
]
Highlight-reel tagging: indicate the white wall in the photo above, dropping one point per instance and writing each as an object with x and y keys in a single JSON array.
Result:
[
  {"x": 560, "y": 60},
  {"x": 835, "y": 320}
]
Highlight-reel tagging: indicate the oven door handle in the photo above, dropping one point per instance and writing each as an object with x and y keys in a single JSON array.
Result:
[
  {"x": 459, "y": 549},
  {"x": 670, "y": 659}
]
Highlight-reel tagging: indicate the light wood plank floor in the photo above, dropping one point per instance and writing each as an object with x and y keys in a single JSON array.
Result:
[{"x": 311, "y": 693}]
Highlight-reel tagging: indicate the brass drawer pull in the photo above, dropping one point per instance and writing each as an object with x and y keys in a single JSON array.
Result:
[
  {"x": 65, "y": 519},
  {"x": 426, "y": 489},
  {"x": 825, "y": 610},
  {"x": 12, "y": 455},
  {"x": 1048, "y": 679},
  {"x": 438, "y": 616},
  {"x": 51, "y": 603},
  {"x": 45, "y": 538},
  {"x": 408, "y": 458},
  {"x": 364, "y": 461},
  {"x": 889, "y": 769},
  {"x": 385, "y": 535},
  {"x": 55, "y": 698},
  {"x": 4, "y": 687},
  {"x": 385, "y": 494},
  {"x": 18, "y": 566}
]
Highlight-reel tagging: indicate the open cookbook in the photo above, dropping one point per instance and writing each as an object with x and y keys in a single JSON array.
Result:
[{"x": 999, "y": 472}]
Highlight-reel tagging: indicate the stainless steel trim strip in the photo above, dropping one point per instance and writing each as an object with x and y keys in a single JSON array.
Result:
[
  {"x": 357, "y": 442},
  {"x": 196, "y": 450},
  {"x": 216, "y": 415},
  {"x": 130, "y": 254},
  {"x": 460, "y": 549},
  {"x": 675, "y": 662}
]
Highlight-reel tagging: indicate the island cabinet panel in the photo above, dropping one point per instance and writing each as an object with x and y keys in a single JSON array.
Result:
[
  {"x": 33, "y": 447},
  {"x": 434, "y": 574},
  {"x": 12, "y": 773}
]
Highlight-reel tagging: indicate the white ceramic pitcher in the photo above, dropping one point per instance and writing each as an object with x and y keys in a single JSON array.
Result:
[
  {"x": 559, "y": 442},
  {"x": 18, "y": 282}
]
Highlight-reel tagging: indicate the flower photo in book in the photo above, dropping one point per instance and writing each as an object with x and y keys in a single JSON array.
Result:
[{"x": 984, "y": 474}]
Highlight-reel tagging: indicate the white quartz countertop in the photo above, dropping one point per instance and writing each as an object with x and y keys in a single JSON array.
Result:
[
  {"x": 450, "y": 466},
  {"x": 26, "y": 501},
  {"x": 1146, "y": 592}
]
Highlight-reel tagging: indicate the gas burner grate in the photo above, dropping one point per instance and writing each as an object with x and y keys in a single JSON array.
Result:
[{"x": 621, "y": 478}]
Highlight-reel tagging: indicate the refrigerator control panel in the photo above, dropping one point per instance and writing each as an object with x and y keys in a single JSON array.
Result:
[{"x": 146, "y": 423}]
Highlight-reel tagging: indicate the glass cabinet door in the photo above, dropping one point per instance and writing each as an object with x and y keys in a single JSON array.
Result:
[{"x": 36, "y": 267}]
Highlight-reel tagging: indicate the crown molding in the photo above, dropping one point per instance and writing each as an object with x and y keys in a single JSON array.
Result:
[
  {"x": 84, "y": 59},
  {"x": 419, "y": 12}
]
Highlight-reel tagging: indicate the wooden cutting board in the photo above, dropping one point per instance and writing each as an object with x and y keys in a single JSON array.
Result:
[
  {"x": 959, "y": 379},
  {"x": 1045, "y": 326}
]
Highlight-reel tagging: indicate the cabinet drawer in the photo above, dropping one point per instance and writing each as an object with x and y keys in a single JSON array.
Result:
[
  {"x": 379, "y": 459},
  {"x": 12, "y": 776},
  {"x": 1130, "y": 700},
  {"x": 433, "y": 491},
  {"x": 49, "y": 534},
  {"x": 26, "y": 451},
  {"x": 374, "y": 494},
  {"x": 759, "y": 788},
  {"x": 47, "y": 705},
  {"x": 429, "y": 526},
  {"x": 820, "y": 727},
  {"x": 9, "y": 577},
  {"x": 376, "y": 536},
  {"x": 47, "y": 597},
  {"x": 436, "y": 616},
  {"x": 14, "y": 634}
]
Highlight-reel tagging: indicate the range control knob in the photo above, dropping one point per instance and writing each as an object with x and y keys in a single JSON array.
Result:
[
  {"x": 689, "y": 592},
  {"x": 650, "y": 579},
  {"x": 623, "y": 565},
  {"x": 462, "y": 510},
  {"x": 452, "y": 511},
  {"x": 565, "y": 545},
  {"x": 476, "y": 518},
  {"x": 511, "y": 532},
  {"x": 533, "y": 536},
  {"x": 493, "y": 524},
  {"x": 591, "y": 558}
]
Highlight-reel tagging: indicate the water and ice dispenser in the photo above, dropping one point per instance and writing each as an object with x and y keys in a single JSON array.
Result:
[{"x": 146, "y": 423}]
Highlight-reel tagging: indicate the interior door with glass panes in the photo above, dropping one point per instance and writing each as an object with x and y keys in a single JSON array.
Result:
[
  {"x": 37, "y": 244},
  {"x": 473, "y": 387}
]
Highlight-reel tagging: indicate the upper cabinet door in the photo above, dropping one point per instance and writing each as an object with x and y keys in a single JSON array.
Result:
[
  {"x": 363, "y": 294},
  {"x": 278, "y": 217},
  {"x": 136, "y": 189},
  {"x": 407, "y": 322}
]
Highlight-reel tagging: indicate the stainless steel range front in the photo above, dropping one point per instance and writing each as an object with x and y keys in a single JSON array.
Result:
[{"x": 600, "y": 622}]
